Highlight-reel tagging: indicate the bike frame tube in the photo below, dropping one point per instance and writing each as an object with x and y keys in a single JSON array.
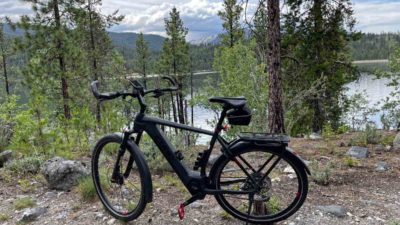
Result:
[{"x": 151, "y": 126}]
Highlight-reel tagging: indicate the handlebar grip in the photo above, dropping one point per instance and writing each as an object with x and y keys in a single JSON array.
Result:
[{"x": 102, "y": 96}]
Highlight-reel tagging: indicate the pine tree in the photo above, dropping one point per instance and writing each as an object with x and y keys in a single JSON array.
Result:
[
  {"x": 91, "y": 25},
  {"x": 178, "y": 50},
  {"x": 142, "y": 56},
  {"x": 316, "y": 44},
  {"x": 231, "y": 23},
  {"x": 260, "y": 31},
  {"x": 49, "y": 47}
]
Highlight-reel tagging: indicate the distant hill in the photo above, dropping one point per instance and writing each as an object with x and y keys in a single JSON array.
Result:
[
  {"x": 374, "y": 46},
  {"x": 128, "y": 40}
]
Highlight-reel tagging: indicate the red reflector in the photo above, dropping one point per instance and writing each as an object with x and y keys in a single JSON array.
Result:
[{"x": 181, "y": 212}]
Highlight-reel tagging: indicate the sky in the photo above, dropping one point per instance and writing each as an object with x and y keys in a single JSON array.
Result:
[{"x": 200, "y": 16}]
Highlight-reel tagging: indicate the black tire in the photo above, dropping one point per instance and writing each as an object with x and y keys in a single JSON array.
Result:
[
  {"x": 223, "y": 175},
  {"x": 105, "y": 154}
]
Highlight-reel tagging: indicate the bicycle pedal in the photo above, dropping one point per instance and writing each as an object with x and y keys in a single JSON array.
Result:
[{"x": 181, "y": 211}]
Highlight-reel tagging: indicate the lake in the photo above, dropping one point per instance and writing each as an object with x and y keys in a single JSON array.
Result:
[{"x": 375, "y": 90}]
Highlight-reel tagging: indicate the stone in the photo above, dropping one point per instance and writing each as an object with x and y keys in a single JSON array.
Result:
[
  {"x": 111, "y": 221},
  {"x": 379, "y": 148},
  {"x": 358, "y": 152},
  {"x": 315, "y": 136},
  {"x": 341, "y": 144},
  {"x": 62, "y": 174},
  {"x": 381, "y": 166},
  {"x": 213, "y": 158},
  {"x": 336, "y": 210},
  {"x": 6, "y": 132},
  {"x": 32, "y": 214},
  {"x": 288, "y": 170},
  {"x": 388, "y": 148},
  {"x": 174, "y": 212},
  {"x": 5, "y": 157},
  {"x": 396, "y": 143}
]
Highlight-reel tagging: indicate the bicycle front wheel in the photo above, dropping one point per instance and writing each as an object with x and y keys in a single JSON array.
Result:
[
  {"x": 269, "y": 186},
  {"x": 120, "y": 187}
]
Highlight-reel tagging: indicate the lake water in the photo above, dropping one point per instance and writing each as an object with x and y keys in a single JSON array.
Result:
[{"x": 375, "y": 90}]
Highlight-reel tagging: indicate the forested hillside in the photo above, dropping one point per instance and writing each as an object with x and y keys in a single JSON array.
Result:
[{"x": 374, "y": 46}]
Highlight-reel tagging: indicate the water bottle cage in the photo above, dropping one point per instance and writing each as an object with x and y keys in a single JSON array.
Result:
[{"x": 199, "y": 161}]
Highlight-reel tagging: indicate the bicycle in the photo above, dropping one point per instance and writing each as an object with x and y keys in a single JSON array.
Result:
[{"x": 254, "y": 171}]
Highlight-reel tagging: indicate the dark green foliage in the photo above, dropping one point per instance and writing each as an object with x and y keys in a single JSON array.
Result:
[{"x": 318, "y": 62}]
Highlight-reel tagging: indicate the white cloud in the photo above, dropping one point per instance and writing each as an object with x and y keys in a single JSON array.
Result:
[
  {"x": 200, "y": 16},
  {"x": 377, "y": 16}
]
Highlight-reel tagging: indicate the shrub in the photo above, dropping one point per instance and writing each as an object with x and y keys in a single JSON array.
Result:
[
  {"x": 23, "y": 203},
  {"x": 27, "y": 165},
  {"x": 372, "y": 135},
  {"x": 327, "y": 131},
  {"x": 320, "y": 174},
  {"x": 351, "y": 162},
  {"x": 343, "y": 129},
  {"x": 387, "y": 139},
  {"x": 273, "y": 205}
]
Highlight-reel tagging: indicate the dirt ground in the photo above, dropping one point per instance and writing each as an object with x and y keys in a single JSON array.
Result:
[{"x": 370, "y": 197}]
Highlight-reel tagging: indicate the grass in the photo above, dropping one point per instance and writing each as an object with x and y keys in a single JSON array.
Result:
[
  {"x": 351, "y": 162},
  {"x": 25, "y": 185},
  {"x": 86, "y": 189},
  {"x": 23, "y": 203},
  {"x": 4, "y": 217},
  {"x": 273, "y": 205},
  {"x": 394, "y": 222}
]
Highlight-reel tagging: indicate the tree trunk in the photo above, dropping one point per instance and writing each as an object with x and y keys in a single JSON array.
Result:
[
  {"x": 61, "y": 59},
  {"x": 5, "y": 72},
  {"x": 94, "y": 60},
  {"x": 275, "y": 107},
  {"x": 318, "y": 117}
]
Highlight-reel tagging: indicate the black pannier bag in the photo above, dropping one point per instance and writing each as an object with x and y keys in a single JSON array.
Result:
[{"x": 241, "y": 116}]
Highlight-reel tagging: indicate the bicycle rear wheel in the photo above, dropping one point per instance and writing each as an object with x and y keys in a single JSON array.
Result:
[
  {"x": 276, "y": 185},
  {"x": 122, "y": 194}
]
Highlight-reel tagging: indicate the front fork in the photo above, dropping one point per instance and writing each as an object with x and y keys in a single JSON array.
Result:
[{"x": 116, "y": 175}]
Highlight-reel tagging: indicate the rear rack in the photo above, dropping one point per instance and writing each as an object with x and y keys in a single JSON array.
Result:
[{"x": 265, "y": 137}]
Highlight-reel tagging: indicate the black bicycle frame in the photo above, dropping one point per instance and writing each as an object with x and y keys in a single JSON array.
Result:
[{"x": 192, "y": 180}]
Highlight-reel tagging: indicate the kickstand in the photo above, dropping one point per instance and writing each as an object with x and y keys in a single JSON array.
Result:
[{"x": 251, "y": 199}]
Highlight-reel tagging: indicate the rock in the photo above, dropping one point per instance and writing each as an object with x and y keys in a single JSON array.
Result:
[
  {"x": 32, "y": 214},
  {"x": 197, "y": 205},
  {"x": 315, "y": 136},
  {"x": 379, "y": 148},
  {"x": 63, "y": 174},
  {"x": 174, "y": 212},
  {"x": 288, "y": 170},
  {"x": 213, "y": 158},
  {"x": 358, "y": 152},
  {"x": 111, "y": 221},
  {"x": 342, "y": 144},
  {"x": 335, "y": 210},
  {"x": 381, "y": 166},
  {"x": 388, "y": 148},
  {"x": 6, "y": 132},
  {"x": 396, "y": 142},
  {"x": 5, "y": 157}
]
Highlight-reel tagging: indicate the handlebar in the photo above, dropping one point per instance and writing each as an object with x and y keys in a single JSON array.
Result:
[{"x": 138, "y": 90}]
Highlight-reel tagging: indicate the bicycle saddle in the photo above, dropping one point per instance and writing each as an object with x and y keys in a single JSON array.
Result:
[{"x": 229, "y": 102}]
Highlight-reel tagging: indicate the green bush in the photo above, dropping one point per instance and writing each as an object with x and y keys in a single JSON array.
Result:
[
  {"x": 343, "y": 129},
  {"x": 27, "y": 165},
  {"x": 372, "y": 135},
  {"x": 327, "y": 131},
  {"x": 320, "y": 174}
]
